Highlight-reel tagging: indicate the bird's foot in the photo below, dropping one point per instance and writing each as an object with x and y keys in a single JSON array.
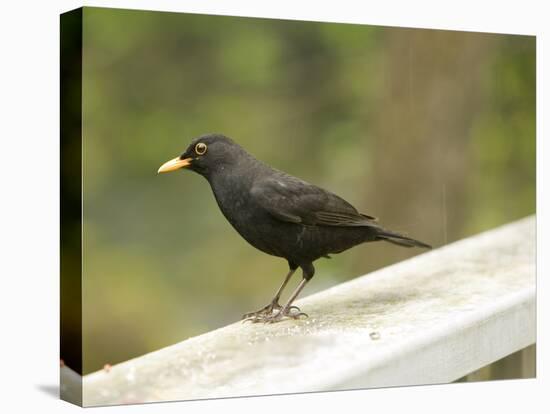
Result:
[
  {"x": 292, "y": 312},
  {"x": 268, "y": 311}
]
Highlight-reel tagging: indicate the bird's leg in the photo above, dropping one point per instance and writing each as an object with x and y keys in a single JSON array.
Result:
[
  {"x": 274, "y": 305},
  {"x": 287, "y": 309}
]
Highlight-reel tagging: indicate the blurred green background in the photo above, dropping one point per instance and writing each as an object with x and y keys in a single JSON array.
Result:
[{"x": 432, "y": 131}]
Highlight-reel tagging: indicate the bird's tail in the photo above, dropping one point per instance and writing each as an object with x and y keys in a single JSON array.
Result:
[{"x": 400, "y": 240}]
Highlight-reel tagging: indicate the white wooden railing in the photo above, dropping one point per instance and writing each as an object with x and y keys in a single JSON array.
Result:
[{"x": 430, "y": 319}]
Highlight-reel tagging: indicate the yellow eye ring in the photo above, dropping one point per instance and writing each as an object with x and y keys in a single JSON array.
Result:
[{"x": 200, "y": 148}]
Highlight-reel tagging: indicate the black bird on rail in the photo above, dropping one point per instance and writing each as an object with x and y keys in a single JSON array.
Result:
[{"x": 279, "y": 214}]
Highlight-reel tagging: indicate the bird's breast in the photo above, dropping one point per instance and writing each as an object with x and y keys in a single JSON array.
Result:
[{"x": 253, "y": 223}]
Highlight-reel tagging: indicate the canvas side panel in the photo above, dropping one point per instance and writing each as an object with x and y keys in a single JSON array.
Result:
[{"x": 71, "y": 206}]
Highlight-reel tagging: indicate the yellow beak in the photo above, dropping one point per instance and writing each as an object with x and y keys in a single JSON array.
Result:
[{"x": 174, "y": 165}]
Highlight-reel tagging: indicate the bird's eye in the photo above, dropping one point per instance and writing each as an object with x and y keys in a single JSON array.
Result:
[{"x": 200, "y": 148}]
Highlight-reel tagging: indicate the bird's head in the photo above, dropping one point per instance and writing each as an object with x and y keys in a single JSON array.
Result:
[{"x": 207, "y": 155}]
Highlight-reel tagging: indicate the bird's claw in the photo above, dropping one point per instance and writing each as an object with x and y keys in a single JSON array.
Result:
[
  {"x": 267, "y": 310},
  {"x": 277, "y": 317},
  {"x": 280, "y": 316}
]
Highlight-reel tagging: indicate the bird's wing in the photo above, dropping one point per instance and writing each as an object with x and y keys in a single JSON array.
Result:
[{"x": 292, "y": 200}]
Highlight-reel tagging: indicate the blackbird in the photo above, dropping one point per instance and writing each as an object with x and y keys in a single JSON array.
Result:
[{"x": 279, "y": 214}]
